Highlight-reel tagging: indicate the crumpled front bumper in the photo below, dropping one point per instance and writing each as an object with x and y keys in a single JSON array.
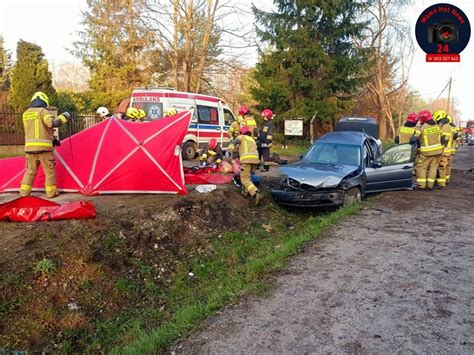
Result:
[{"x": 309, "y": 199}]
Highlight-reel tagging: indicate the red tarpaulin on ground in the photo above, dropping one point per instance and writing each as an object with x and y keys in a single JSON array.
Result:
[
  {"x": 114, "y": 156},
  {"x": 34, "y": 209},
  {"x": 206, "y": 176}
]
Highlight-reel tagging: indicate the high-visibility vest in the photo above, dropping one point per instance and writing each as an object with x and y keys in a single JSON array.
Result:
[
  {"x": 405, "y": 133},
  {"x": 39, "y": 133},
  {"x": 430, "y": 140}
]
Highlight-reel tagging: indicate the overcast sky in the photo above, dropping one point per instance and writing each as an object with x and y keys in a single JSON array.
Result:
[{"x": 53, "y": 24}]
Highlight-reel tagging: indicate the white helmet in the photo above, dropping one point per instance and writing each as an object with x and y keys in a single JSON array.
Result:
[{"x": 102, "y": 111}]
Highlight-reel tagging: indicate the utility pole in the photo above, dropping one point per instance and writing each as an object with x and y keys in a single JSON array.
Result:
[{"x": 449, "y": 94}]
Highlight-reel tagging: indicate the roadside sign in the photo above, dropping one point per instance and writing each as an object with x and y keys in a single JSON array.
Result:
[{"x": 294, "y": 127}]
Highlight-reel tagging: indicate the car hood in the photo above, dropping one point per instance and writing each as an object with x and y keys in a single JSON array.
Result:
[{"x": 318, "y": 174}]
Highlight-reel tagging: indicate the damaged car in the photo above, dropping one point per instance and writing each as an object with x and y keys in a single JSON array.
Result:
[{"x": 340, "y": 168}]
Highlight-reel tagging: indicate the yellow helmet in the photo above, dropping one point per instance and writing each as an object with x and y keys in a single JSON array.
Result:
[
  {"x": 42, "y": 96},
  {"x": 171, "y": 112},
  {"x": 450, "y": 119},
  {"x": 439, "y": 115},
  {"x": 141, "y": 114},
  {"x": 132, "y": 112}
]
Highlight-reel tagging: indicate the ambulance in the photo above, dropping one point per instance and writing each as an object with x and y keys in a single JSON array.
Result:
[{"x": 212, "y": 117}]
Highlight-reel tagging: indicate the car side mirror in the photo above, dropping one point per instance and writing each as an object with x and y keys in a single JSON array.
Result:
[
  {"x": 376, "y": 164},
  {"x": 301, "y": 156}
]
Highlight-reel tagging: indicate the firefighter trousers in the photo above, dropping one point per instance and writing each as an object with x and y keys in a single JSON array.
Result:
[
  {"x": 442, "y": 170},
  {"x": 47, "y": 161},
  {"x": 245, "y": 171},
  {"x": 426, "y": 169},
  {"x": 448, "y": 168},
  {"x": 264, "y": 157}
]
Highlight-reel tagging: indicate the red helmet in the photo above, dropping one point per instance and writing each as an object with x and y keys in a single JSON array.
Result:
[
  {"x": 243, "y": 110},
  {"x": 245, "y": 130},
  {"x": 412, "y": 117},
  {"x": 267, "y": 113},
  {"x": 424, "y": 116},
  {"x": 212, "y": 143}
]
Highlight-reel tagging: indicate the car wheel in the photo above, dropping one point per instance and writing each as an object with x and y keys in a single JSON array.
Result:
[
  {"x": 352, "y": 196},
  {"x": 189, "y": 150}
]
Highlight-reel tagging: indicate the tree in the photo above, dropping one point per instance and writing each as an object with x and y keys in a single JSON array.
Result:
[
  {"x": 29, "y": 74},
  {"x": 113, "y": 47},
  {"x": 69, "y": 76},
  {"x": 311, "y": 66},
  {"x": 5, "y": 62}
]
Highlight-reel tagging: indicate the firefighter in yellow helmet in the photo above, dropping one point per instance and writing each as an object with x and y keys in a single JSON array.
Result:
[
  {"x": 248, "y": 161},
  {"x": 430, "y": 150},
  {"x": 171, "y": 112},
  {"x": 39, "y": 127},
  {"x": 248, "y": 120},
  {"x": 132, "y": 114},
  {"x": 441, "y": 119},
  {"x": 141, "y": 115}
]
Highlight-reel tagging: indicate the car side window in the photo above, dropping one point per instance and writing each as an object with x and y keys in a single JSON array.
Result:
[
  {"x": 207, "y": 115},
  {"x": 228, "y": 117},
  {"x": 399, "y": 154}
]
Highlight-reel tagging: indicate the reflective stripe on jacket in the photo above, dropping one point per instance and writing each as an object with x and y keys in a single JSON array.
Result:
[
  {"x": 39, "y": 133},
  {"x": 247, "y": 149},
  {"x": 250, "y": 122},
  {"x": 265, "y": 135},
  {"x": 430, "y": 140},
  {"x": 447, "y": 132},
  {"x": 405, "y": 133}
]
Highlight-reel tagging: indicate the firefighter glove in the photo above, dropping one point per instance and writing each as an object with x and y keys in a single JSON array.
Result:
[
  {"x": 396, "y": 140},
  {"x": 56, "y": 142},
  {"x": 413, "y": 140},
  {"x": 227, "y": 154},
  {"x": 443, "y": 140},
  {"x": 203, "y": 164}
]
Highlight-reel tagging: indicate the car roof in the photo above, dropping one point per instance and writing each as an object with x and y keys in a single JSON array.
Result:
[{"x": 344, "y": 137}]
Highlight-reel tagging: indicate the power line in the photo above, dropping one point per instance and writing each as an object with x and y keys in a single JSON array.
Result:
[{"x": 449, "y": 81}]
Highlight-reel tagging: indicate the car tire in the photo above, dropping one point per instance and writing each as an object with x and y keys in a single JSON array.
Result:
[
  {"x": 353, "y": 195},
  {"x": 189, "y": 150}
]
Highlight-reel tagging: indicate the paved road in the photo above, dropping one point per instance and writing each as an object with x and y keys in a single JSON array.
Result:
[{"x": 397, "y": 278}]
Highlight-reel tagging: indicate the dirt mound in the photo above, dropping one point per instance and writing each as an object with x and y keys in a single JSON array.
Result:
[{"x": 58, "y": 278}]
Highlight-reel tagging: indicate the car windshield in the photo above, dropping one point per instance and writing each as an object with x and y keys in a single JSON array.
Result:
[{"x": 334, "y": 153}]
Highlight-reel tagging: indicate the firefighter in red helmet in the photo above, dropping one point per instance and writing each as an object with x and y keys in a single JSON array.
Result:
[
  {"x": 429, "y": 151},
  {"x": 211, "y": 154},
  {"x": 249, "y": 162},
  {"x": 408, "y": 132},
  {"x": 247, "y": 120},
  {"x": 265, "y": 138}
]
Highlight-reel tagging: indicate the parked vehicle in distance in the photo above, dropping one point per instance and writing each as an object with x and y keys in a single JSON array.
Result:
[
  {"x": 212, "y": 117},
  {"x": 367, "y": 125},
  {"x": 340, "y": 168}
]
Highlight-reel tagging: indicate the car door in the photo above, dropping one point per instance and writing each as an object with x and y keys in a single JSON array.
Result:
[
  {"x": 228, "y": 119},
  {"x": 392, "y": 171}
]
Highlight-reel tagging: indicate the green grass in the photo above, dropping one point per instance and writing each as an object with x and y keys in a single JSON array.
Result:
[
  {"x": 239, "y": 266},
  {"x": 2, "y": 156},
  {"x": 294, "y": 149},
  {"x": 45, "y": 267}
]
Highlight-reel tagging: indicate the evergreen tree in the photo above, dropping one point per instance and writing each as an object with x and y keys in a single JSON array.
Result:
[
  {"x": 4, "y": 66},
  {"x": 312, "y": 65},
  {"x": 112, "y": 47},
  {"x": 29, "y": 74}
]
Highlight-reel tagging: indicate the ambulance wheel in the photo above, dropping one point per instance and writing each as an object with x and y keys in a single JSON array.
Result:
[{"x": 189, "y": 150}]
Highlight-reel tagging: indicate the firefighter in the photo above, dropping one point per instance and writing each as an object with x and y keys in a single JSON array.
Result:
[
  {"x": 171, "y": 112},
  {"x": 131, "y": 114},
  {"x": 430, "y": 150},
  {"x": 408, "y": 132},
  {"x": 211, "y": 154},
  {"x": 102, "y": 112},
  {"x": 441, "y": 119},
  {"x": 265, "y": 137},
  {"x": 456, "y": 142},
  {"x": 39, "y": 127},
  {"x": 248, "y": 161},
  {"x": 141, "y": 115},
  {"x": 248, "y": 120},
  {"x": 234, "y": 129}
]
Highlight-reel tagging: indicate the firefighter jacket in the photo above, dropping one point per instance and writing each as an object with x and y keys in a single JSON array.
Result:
[
  {"x": 215, "y": 154},
  {"x": 406, "y": 132},
  {"x": 430, "y": 139},
  {"x": 265, "y": 135},
  {"x": 250, "y": 122},
  {"x": 447, "y": 132},
  {"x": 247, "y": 149},
  {"x": 39, "y": 133},
  {"x": 458, "y": 140},
  {"x": 234, "y": 130}
]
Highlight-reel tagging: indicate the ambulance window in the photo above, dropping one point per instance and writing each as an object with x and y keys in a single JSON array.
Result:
[
  {"x": 207, "y": 115},
  {"x": 228, "y": 117}
]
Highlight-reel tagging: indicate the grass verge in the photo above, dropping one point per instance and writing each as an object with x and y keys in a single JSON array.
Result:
[
  {"x": 239, "y": 266},
  {"x": 295, "y": 149}
]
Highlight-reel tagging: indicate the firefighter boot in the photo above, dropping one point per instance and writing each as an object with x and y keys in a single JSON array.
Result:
[{"x": 258, "y": 198}]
